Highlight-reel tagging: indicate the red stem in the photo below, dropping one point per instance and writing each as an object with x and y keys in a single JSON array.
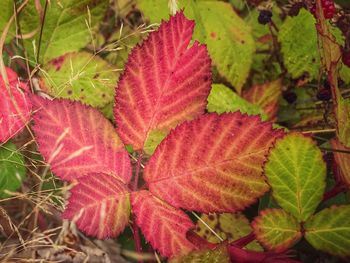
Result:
[
  {"x": 337, "y": 189},
  {"x": 243, "y": 241},
  {"x": 135, "y": 228}
]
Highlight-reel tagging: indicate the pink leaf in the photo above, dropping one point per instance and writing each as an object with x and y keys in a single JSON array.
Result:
[
  {"x": 76, "y": 140},
  {"x": 15, "y": 107},
  {"x": 164, "y": 83},
  {"x": 163, "y": 226},
  {"x": 213, "y": 163},
  {"x": 100, "y": 205}
]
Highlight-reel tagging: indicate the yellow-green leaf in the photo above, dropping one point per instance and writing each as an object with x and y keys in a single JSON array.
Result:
[
  {"x": 329, "y": 230},
  {"x": 276, "y": 230},
  {"x": 12, "y": 169},
  {"x": 222, "y": 99},
  {"x": 217, "y": 255},
  {"x": 296, "y": 173},
  {"x": 80, "y": 76},
  {"x": 228, "y": 226},
  {"x": 68, "y": 26}
]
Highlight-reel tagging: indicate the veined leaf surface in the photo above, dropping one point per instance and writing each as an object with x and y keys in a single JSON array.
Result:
[
  {"x": 342, "y": 110},
  {"x": 80, "y": 76},
  {"x": 66, "y": 26},
  {"x": 100, "y": 205},
  {"x": 266, "y": 96},
  {"x": 229, "y": 39},
  {"x": 296, "y": 173},
  {"x": 15, "y": 107},
  {"x": 217, "y": 255},
  {"x": 329, "y": 230},
  {"x": 7, "y": 10},
  {"x": 213, "y": 163},
  {"x": 298, "y": 39},
  {"x": 12, "y": 168},
  {"x": 164, "y": 226},
  {"x": 164, "y": 83},
  {"x": 229, "y": 226},
  {"x": 77, "y": 140},
  {"x": 222, "y": 99},
  {"x": 276, "y": 230},
  {"x": 343, "y": 160}
]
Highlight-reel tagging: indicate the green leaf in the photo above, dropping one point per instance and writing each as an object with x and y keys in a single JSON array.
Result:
[
  {"x": 298, "y": 40},
  {"x": 222, "y": 99},
  {"x": 7, "y": 10},
  {"x": 329, "y": 230},
  {"x": 296, "y": 173},
  {"x": 68, "y": 26},
  {"x": 276, "y": 230},
  {"x": 80, "y": 76},
  {"x": 344, "y": 74},
  {"x": 153, "y": 139},
  {"x": 343, "y": 118},
  {"x": 217, "y": 255},
  {"x": 12, "y": 169},
  {"x": 228, "y": 226},
  {"x": 229, "y": 39}
]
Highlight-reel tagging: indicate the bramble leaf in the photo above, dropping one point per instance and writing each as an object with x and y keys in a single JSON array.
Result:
[
  {"x": 298, "y": 39},
  {"x": 222, "y": 99},
  {"x": 342, "y": 111},
  {"x": 77, "y": 140},
  {"x": 67, "y": 26},
  {"x": 15, "y": 107},
  {"x": 276, "y": 230},
  {"x": 164, "y": 83},
  {"x": 296, "y": 173},
  {"x": 228, "y": 226},
  {"x": 342, "y": 159},
  {"x": 12, "y": 168},
  {"x": 99, "y": 204},
  {"x": 266, "y": 96},
  {"x": 217, "y": 255},
  {"x": 164, "y": 226},
  {"x": 329, "y": 230},
  {"x": 212, "y": 164},
  {"x": 80, "y": 76},
  {"x": 7, "y": 10},
  {"x": 228, "y": 37}
]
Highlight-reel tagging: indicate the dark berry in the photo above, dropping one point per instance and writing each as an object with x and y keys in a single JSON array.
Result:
[
  {"x": 324, "y": 94},
  {"x": 290, "y": 96},
  {"x": 326, "y": 84},
  {"x": 346, "y": 58},
  {"x": 264, "y": 17},
  {"x": 328, "y": 8}
]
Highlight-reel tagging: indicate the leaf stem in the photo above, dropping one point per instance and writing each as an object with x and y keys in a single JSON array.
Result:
[
  {"x": 135, "y": 228},
  {"x": 243, "y": 241},
  {"x": 337, "y": 189}
]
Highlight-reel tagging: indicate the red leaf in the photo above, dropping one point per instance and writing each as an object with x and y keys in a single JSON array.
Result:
[
  {"x": 77, "y": 140},
  {"x": 212, "y": 164},
  {"x": 342, "y": 159},
  {"x": 163, "y": 226},
  {"x": 15, "y": 107},
  {"x": 100, "y": 205},
  {"x": 164, "y": 83},
  {"x": 266, "y": 96}
]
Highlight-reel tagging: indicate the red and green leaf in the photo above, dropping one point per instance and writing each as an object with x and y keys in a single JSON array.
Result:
[
  {"x": 276, "y": 230},
  {"x": 164, "y": 226},
  {"x": 77, "y": 140},
  {"x": 213, "y": 163},
  {"x": 164, "y": 83},
  {"x": 342, "y": 158},
  {"x": 15, "y": 107},
  {"x": 100, "y": 205},
  {"x": 266, "y": 96}
]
